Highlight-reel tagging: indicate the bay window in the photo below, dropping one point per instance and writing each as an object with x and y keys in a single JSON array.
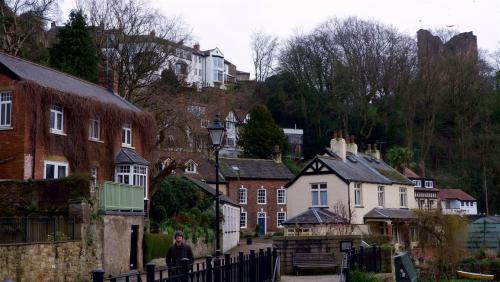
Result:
[{"x": 132, "y": 175}]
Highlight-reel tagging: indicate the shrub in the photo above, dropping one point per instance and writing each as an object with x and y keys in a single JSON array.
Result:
[
  {"x": 256, "y": 230},
  {"x": 358, "y": 276},
  {"x": 156, "y": 246},
  {"x": 376, "y": 239},
  {"x": 159, "y": 214}
]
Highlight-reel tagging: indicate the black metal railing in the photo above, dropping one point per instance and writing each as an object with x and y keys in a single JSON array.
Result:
[
  {"x": 38, "y": 229},
  {"x": 256, "y": 266},
  {"x": 363, "y": 259}
]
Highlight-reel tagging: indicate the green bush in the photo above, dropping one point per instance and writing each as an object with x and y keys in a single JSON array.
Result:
[
  {"x": 256, "y": 230},
  {"x": 156, "y": 246},
  {"x": 358, "y": 276},
  {"x": 159, "y": 214},
  {"x": 377, "y": 239}
]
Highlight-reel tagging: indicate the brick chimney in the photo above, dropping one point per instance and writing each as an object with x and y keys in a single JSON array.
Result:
[
  {"x": 351, "y": 146},
  {"x": 277, "y": 154},
  {"x": 338, "y": 145},
  {"x": 196, "y": 46}
]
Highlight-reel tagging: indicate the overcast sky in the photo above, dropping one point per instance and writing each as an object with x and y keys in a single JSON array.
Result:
[{"x": 227, "y": 24}]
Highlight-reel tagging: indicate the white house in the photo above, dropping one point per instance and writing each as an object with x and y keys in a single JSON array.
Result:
[
  {"x": 456, "y": 201},
  {"x": 361, "y": 187}
]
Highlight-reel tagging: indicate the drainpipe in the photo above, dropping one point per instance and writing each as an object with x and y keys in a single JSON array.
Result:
[
  {"x": 349, "y": 200},
  {"x": 33, "y": 150}
]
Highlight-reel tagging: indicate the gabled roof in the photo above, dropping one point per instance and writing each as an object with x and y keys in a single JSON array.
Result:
[
  {"x": 254, "y": 168},
  {"x": 50, "y": 78},
  {"x": 211, "y": 191},
  {"x": 381, "y": 213},
  {"x": 455, "y": 194},
  {"x": 410, "y": 173},
  {"x": 129, "y": 156},
  {"x": 356, "y": 168},
  {"x": 205, "y": 169},
  {"x": 315, "y": 216}
]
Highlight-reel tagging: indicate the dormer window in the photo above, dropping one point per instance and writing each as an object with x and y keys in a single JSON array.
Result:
[
  {"x": 191, "y": 167},
  {"x": 127, "y": 135},
  {"x": 429, "y": 184},
  {"x": 56, "y": 119},
  {"x": 418, "y": 183}
]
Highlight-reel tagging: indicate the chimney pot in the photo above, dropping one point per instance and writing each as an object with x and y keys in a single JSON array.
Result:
[{"x": 196, "y": 46}]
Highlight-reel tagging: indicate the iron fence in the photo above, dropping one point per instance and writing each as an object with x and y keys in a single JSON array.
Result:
[
  {"x": 256, "y": 266},
  {"x": 363, "y": 259},
  {"x": 38, "y": 229}
]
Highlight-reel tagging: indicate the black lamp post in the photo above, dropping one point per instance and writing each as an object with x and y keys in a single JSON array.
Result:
[{"x": 216, "y": 131}]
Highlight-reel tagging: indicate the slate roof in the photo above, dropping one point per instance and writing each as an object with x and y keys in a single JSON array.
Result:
[
  {"x": 209, "y": 190},
  {"x": 205, "y": 168},
  {"x": 410, "y": 173},
  {"x": 363, "y": 168},
  {"x": 50, "y": 78},
  {"x": 455, "y": 194},
  {"x": 253, "y": 168},
  {"x": 315, "y": 216},
  {"x": 129, "y": 156},
  {"x": 381, "y": 213}
]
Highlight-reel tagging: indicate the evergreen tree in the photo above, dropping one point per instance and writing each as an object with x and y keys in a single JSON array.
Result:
[
  {"x": 74, "y": 51},
  {"x": 261, "y": 134}
]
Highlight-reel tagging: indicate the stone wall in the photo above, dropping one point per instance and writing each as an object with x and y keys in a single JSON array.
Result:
[
  {"x": 288, "y": 246},
  {"x": 63, "y": 261},
  {"x": 201, "y": 249}
]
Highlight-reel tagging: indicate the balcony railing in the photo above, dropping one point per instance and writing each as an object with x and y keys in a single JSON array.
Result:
[{"x": 120, "y": 197}]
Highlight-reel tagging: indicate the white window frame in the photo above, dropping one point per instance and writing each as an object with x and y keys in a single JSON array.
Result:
[
  {"x": 403, "y": 197},
  {"x": 429, "y": 184},
  {"x": 283, "y": 200},
  {"x": 243, "y": 200},
  {"x": 127, "y": 135},
  {"x": 191, "y": 167},
  {"x": 56, "y": 168},
  {"x": 319, "y": 190},
  {"x": 381, "y": 196},
  {"x": 358, "y": 199},
  {"x": 259, "y": 202},
  {"x": 137, "y": 175},
  {"x": 57, "y": 126},
  {"x": 92, "y": 124},
  {"x": 278, "y": 218},
  {"x": 417, "y": 183},
  {"x": 5, "y": 109},
  {"x": 245, "y": 214}
]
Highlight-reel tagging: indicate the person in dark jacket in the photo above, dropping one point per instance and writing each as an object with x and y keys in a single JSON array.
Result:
[{"x": 178, "y": 251}]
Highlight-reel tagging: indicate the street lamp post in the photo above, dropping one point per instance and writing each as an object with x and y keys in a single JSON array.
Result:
[{"x": 216, "y": 131}]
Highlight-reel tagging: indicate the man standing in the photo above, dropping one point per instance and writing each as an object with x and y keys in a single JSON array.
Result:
[{"x": 178, "y": 251}]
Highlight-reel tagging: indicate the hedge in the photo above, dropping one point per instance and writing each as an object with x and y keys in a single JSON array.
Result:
[{"x": 156, "y": 246}]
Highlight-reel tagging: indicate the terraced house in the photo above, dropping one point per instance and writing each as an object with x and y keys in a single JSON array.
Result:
[{"x": 361, "y": 187}]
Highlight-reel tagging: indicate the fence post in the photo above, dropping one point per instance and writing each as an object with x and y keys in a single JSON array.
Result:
[
  {"x": 262, "y": 261},
  {"x": 26, "y": 232},
  {"x": 73, "y": 228},
  {"x": 275, "y": 264},
  {"x": 379, "y": 256},
  {"x": 346, "y": 274},
  {"x": 352, "y": 257},
  {"x": 208, "y": 273},
  {"x": 98, "y": 275},
  {"x": 227, "y": 267},
  {"x": 253, "y": 267},
  {"x": 269, "y": 262},
  {"x": 54, "y": 228},
  {"x": 361, "y": 259},
  {"x": 374, "y": 258},
  {"x": 241, "y": 266},
  {"x": 150, "y": 272},
  {"x": 185, "y": 270},
  {"x": 217, "y": 272}
]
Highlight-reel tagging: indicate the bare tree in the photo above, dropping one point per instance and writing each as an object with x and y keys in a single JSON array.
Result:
[
  {"x": 21, "y": 20},
  {"x": 137, "y": 41},
  {"x": 343, "y": 210},
  {"x": 264, "y": 51}
]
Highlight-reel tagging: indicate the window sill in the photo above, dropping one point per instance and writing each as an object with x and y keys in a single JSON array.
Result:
[
  {"x": 58, "y": 132},
  {"x": 128, "y": 146},
  {"x": 96, "y": 140},
  {"x": 359, "y": 207},
  {"x": 261, "y": 203},
  {"x": 403, "y": 208},
  {"x": 242, "y": 203},
  {"x": 5, "y": 128},
  {"x": 319, "y": 206}
]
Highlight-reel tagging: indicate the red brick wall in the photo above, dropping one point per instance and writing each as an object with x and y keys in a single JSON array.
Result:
[
  {"x": 271, "y": 208},
  {"x": 18, "y": 141}
]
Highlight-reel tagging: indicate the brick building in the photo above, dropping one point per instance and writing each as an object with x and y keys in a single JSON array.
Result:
[
  {"x": 53, "y": 124},
  {"x": 258, "y": 185}
]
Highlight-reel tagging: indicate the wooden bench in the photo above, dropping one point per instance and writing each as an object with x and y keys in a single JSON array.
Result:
[{"x": 313, "y": 261}]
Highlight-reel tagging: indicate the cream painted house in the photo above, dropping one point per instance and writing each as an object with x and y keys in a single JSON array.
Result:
[{"x": 361, "y": 187}]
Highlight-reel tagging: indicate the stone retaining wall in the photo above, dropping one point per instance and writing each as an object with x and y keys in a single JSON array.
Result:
[
  {"x": 288, "y": 246},
  {"x": 62, "y": 261}
]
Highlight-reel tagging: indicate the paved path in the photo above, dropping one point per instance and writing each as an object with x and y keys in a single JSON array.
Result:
[{"x": 315, "y": 278}]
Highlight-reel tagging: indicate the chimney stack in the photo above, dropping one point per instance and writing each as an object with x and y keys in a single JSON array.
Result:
[
  {"x": 351, "y": 146},
  {"x": 277, "y": 154},
  {"x": 374, "y": 152},
  {"x": 338, "y": 145},
  {"x": 196, "y": 46},
  {"x": 152, "y": 34}
]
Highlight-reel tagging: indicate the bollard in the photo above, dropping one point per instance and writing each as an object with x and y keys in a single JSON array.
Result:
[
  {"x": 217, "y": 270},
  {"x": 241, "y": 266},
  {"x": 98, "y": 275}
]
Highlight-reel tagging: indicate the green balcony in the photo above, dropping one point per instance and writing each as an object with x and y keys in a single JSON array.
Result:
[{"x": 120, "y": 197}]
